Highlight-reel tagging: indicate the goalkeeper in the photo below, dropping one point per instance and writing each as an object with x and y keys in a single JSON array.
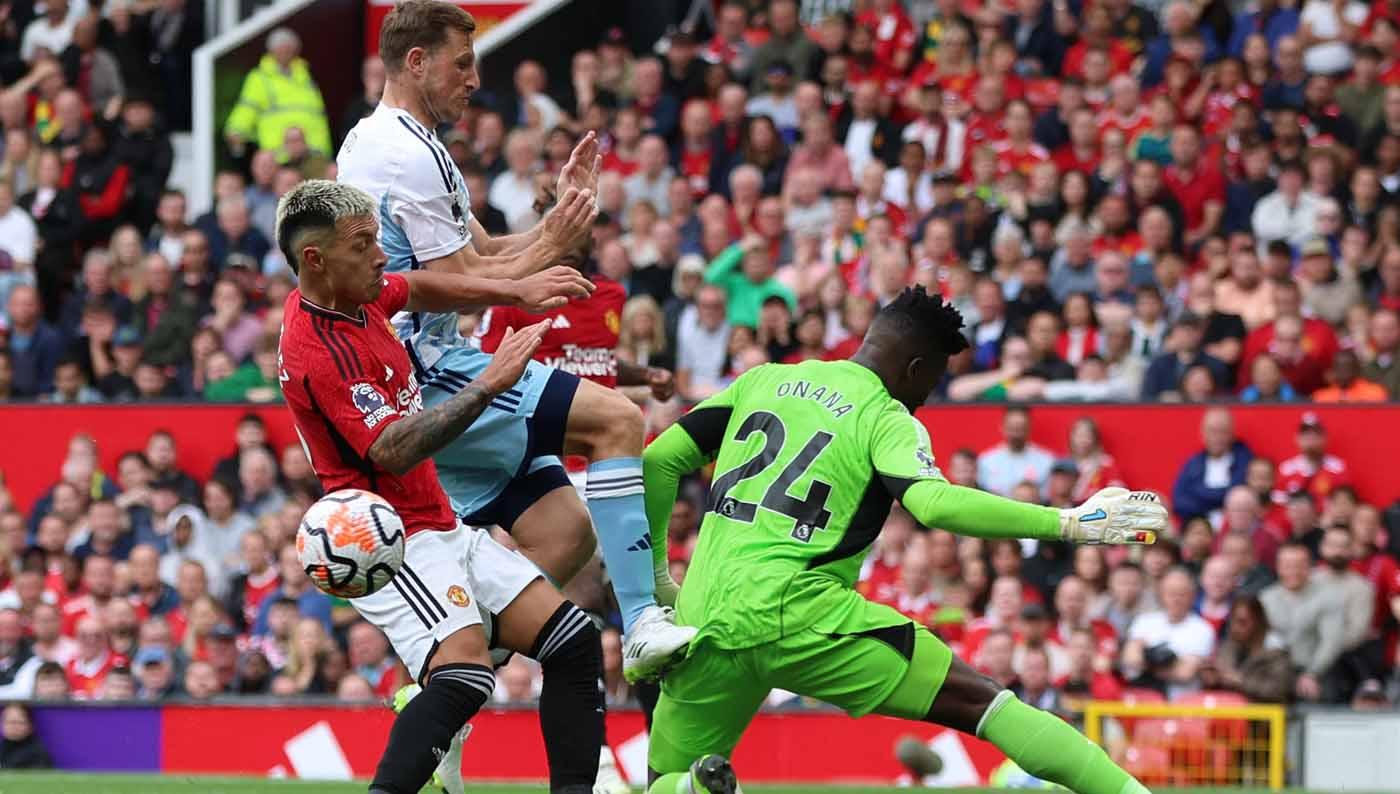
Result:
[{"x": 809, "y": 458}]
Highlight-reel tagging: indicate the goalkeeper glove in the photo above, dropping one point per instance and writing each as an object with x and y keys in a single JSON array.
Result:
[{"x": 1115, "y": 516}]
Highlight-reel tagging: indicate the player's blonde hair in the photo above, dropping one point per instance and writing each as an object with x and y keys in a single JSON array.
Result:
[{"x": 313, "y": 208}]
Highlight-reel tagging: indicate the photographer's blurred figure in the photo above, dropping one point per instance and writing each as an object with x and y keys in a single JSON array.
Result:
[{"x": 19, "y": 747}]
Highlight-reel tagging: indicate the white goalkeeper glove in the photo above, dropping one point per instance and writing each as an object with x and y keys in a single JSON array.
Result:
[{"x": 1115, "y": 516}]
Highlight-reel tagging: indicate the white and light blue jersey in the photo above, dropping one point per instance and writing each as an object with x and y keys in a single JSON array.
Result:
[{"x": 424, "y": 211}]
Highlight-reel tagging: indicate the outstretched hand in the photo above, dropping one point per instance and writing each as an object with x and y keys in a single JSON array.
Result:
[
  {"x": 581, "y": 171},
  {"x": 571, "y": 221},
  {"x": 511, "y": 357},
  {"x": 552, "y": 288}
]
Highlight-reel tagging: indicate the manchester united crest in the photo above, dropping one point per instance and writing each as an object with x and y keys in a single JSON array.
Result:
[
  {"x": 613, "y": 322},
  {"x": 458, "y": 595}
]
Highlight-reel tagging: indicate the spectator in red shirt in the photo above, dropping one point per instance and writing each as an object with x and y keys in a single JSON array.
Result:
[
  {"x": 1072, "y": 613},
  {"x": 621, "y": 156},
  {"x": 98, "y": 587},
  {"x": 1197, "y": 185},
  {"x": 1126, "y": 112},
  {"x": 370, "y": 658},
  {"x": 916, "y": 598},
  {"x": 1090, "y": 676},
  {"x": 94, "y": 659},
  {"x": 1018, "y": 152},
  {"x": 993, "y": 657},
  {"x": 191, "y": 584},
  {"x": 1383, "y": 572},
  {"x": 894, "y": 34},
  {"x": 1096, "y": 33},
  {"x": 879, "y": 575},
  {"x": 1003, "y": 612},
  {"x": 692, "y": 156},
  {"x": 1313, "y": 469},
  {"x": 258, "y": 580}
]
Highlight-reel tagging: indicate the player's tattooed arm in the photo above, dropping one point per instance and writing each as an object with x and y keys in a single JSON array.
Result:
[{"x": 409, "y": 441}]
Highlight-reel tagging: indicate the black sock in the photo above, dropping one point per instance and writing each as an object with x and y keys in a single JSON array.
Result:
[
  {"x": 569, "y": 649},
  {"x": 424, "y": 729}
]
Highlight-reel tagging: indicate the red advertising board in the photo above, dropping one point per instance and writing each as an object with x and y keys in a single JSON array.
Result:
[
  {"x": 1150, "y": 442},
  {"x": 488, "y": 14},
  {"x": 339, "y": 743}
]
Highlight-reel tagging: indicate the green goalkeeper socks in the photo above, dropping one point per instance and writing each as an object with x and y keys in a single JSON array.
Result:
[{"x": 1051, "y": 749}]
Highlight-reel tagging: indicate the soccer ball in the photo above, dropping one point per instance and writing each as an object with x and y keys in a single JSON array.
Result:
[{"x": 351, "y": 543}]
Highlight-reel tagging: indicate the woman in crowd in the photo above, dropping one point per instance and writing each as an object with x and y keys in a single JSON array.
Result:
[
  {"x": 1250, "y": 660},
  {"x": 20, "y": 747}
]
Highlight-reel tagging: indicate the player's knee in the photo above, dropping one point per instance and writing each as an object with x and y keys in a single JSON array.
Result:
[
  {"x": 570, "y": 641},
  {"x": 622, "y": 428},
  {"x": 464, "y": 646}
]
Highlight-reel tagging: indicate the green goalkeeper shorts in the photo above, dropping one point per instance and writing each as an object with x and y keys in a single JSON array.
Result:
[{"x": 880, "y": 662}]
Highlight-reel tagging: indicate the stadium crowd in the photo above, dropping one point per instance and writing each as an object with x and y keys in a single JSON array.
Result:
[{"x": 1128, "y": 201}]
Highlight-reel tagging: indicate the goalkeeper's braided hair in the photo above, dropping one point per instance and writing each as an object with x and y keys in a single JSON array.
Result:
[{"x": 920, "y": 317}]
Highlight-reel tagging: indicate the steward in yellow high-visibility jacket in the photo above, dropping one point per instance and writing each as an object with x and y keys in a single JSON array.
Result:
[{"x": 277, "y": 95}]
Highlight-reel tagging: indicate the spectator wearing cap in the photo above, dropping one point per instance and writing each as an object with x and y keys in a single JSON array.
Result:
[
  {"x": 1181, "y": 352},
  {"x": 277, "y": 95},
  {"x": 1313, "y": 470},
  {"x": 787, "y": 43},
  {"x": 778, "y": 102},
  {"x": 155, "y": 671},
  {"x": 1383, "y": 365},
  {"x": 1206, "y": 476},
  {"x": 1327, "y": 292},
  {"x": 34, "y": 346}
]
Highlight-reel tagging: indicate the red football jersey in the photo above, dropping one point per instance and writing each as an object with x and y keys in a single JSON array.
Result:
[
  {"x": 346, "y": 379},
  {"x": 582, "y": 338}
]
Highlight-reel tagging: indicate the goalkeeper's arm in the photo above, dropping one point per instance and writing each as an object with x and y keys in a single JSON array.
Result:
[
  {"x": 901, "y": 454},
  {"x": 683, "y": 448}
]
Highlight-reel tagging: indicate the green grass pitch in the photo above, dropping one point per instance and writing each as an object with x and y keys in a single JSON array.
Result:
[{"x": 65, "y": 783}]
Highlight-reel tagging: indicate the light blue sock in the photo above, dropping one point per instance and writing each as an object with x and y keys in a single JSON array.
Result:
[{"x": 614, "y": 496}]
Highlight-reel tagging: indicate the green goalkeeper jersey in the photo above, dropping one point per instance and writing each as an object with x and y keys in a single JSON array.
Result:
[{"x": 808, "y": 459}]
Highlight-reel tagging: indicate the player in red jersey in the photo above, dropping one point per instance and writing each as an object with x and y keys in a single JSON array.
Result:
[{"x": 359, "y": 413}]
